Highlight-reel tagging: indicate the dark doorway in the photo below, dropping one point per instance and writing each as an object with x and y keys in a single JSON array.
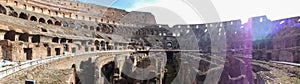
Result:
[
  {"x": 66, "y": 47},
  {"x": 33, "y": 18},
  {"x": 35, "y": 39},
  {"x": 169, "y": 57},
  {"x": 49, "y": 22},
  {"x": 97, "y": 48},
  {"x": 73, "y": 50},
  {"x": 86, "y": 49},
  {"x": 2, "y": 10},
  {"x": 42, "y": 20},
  {"x": 57, "y": 51},
  {"x": 269, "y": 56},
  {"x": 57, "y": 23},
  {"x": 48, "y": 51},
  {"x": 10, "y": 35},
  {"x": 92, "y": 49},
  {"x": 28, "y": 53},
  {"x": 55, "y": 40},
  {"x": 24, "y": 37},
  {"x": 23, "y": 16}
]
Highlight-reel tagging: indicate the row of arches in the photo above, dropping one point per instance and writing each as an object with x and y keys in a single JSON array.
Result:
[
  {"x": 101, "y": 28},
  {"x": 59, "y": 13},
  {"x": 11, "y": 36}
]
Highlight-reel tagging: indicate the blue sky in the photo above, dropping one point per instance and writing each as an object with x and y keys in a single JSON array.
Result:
[
  {"x": 120, "y": 4},
  {"x": 226, "y": 9}
]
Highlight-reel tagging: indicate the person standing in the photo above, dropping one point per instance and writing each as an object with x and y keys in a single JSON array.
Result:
[{"x": 74, "y": 79}]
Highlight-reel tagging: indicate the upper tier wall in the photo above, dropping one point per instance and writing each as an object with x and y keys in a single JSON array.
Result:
[{"x": 79, "y": 11}]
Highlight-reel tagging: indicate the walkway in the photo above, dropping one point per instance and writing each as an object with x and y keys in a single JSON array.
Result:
[{"x": 5, "y": 71}]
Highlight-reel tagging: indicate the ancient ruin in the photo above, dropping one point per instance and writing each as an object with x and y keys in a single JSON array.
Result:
[{"x": 41, "y": 36}]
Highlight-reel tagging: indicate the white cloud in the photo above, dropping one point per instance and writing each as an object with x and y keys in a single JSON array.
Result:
[
  {"x": 227, "y": 9},
  {"x": 178, "y": 7},
  {"x": 274, "y": 9}
]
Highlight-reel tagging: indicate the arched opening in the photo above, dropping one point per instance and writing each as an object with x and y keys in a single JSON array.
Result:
[
  {"x": 107, "y": 47},
  {"x": 90, "y": 42},
  {"x": 85, "y": 27},
  {"x": 33, "y": 18},
  {"x": 24, "y": 37},
  {"x": 10, "y": 35},
  {"x": 92, "y": 28},
  {"x": 78, "y": 26},
  {"x": 24, "y": 6},
  {"x": 55, "y": 40},
  {"x": 49, "y": 22},
  {"x": 72, "y": 25},
  {"x": 57, "y": 23},
  {"x": 35, "y": 39},
  {"x": 97, "y": 29},
  {"x": 23, "y": 16},
  {"x": 33, "y": 8},
  {"x": 16, "y": 3},
  {"x": 65, "y": 24},
  {"x": 14, "y": 14},
  {"x": 49, "y": 12},
  {"x": 63, "y": 40},
  {"x": 2, "y": 10},
  {"x": 97, "y": 44},
  {"x": 102, "y": 44},
  {"x": 108, "y": 70},
  {"x": 42, "y": 20},
  {"x": 70, "y": 41}
]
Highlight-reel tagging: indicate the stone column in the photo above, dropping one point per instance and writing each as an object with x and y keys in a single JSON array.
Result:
[
  {"x": 2, "y": 35},
  {"x": 30, "y": 39},
  {"x": 17, "y": 37}
]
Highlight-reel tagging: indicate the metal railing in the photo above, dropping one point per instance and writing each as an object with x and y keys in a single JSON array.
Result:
[{"x": 24, "y": 65}]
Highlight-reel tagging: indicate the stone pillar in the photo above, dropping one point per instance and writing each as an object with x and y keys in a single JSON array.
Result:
[
  {"x": 105, "y": 47},
  {"x": 1, "y": 52},
  {"x": 30, "y": 39},
  {"x": 17, "y": 37},
  {"x": 58, "y": 40},
  {"x": 2, "y": 35}
]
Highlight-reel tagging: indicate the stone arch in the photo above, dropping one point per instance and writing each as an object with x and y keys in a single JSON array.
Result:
[
  {"x": 42, "y": 20},
  {"x": 16, "y": 3},
  {"x": 33, "y": 8},
  {"x": 107, "y": 47},
  {"x": 72, "y": 25},
  {"x": 97, "y": 28},
  {"x": 2, "y": 9},
  {"x": 23, "y": 16},
  {"x": 97, "y": 44},
  {"x": 24, "y": 37},
  {"x": 24, "y": 6},
  {"x": 10, "y": 35},
  {"x": 57, "y": 23},
  {"x": 33, "y": 18},
  {"x": 92, "y": 28},
  {"x": 36, "y": 39},
  {"x": 49, "y": 21},
  {"x": 14, "y": 14},
  {"x": 63, "y": 40},
  {"x": 78, "y": 26},
  {"x": 65, "y": 24},
  {"x": 102, "y": 44},
  {"x": 55, "y": 40},
  {"x": 85, "y": 27}
]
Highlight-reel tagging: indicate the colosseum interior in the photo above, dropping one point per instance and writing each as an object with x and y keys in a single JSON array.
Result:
[{"x": 33, "y": 30}]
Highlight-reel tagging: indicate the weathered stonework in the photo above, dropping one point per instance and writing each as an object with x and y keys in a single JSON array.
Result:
[{"x": 35, "y": 29}]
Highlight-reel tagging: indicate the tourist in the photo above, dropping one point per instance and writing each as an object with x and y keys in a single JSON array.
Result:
[
  {"x": 74, "y": 79},
  {"x": 3, "y": 62}
]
